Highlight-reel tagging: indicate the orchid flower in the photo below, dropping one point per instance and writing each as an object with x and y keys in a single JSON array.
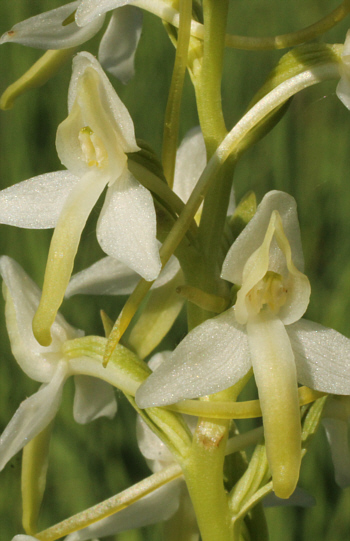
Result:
[
  {"x": 57, "y": 29},
  {"x": 263, "y": 330},
  {"x": 50, "y": 366},
  {"x": 92, "y": 143},
  {"x": 343, "y": 87},
  {"x": 111, "y": 277},
  {"x": 336, "y": 423}
]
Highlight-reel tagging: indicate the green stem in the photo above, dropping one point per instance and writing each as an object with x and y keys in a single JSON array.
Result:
[
  {"x": 207, "y": 84},
  {"x": 204, "y": 478},
  {"x": 208, "y": 81},
  {"x": 172, "y": 113}
]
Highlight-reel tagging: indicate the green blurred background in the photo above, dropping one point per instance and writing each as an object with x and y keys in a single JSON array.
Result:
[{"x": 306, "y": 154}]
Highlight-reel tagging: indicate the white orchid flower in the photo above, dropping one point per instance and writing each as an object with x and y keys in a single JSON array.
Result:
[
  {"x": 343, "y": 87},
  {"x": 264, "y": 330},
  {"x": 50, "y": 366},
  {"x": 336, "y": 423},
  {"x": 92, "y": 143},
  {"x": 112, "y": 277},
  {"x": 57, "y": 29},
  {"x": 157, "y": 506}
]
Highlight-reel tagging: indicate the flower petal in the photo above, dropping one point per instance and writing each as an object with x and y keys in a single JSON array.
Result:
[
  {"x": 343, "y": 87},
  {"x": 322, "y": 357},
  {"x": 126, "y": 229},
  {"x": 88, "y": 10},
  {"x": 37, "y": 202},
  {"x": 105, "y": 277},
  {"x": 47, "y": 31},
  {"x": 118, "y": 45},
  {"x": 212, "y": 357},
  {"x": 337, "y": 435},
  {"x": 111, "y": 277},
  {"x": 274, "y": 254},
  {"x": 155, "y": 507},
  {"x": 276, "y": 379},
  {"x": 22, "y": 298},
  {"x": 114, "y": 108},
  {"x": 253, "y": 235},
  {"x": 153, "y": 449},
  {"x": 33, "y": 415},
  {"x": 63, "y": 247},
  {"x": 93, "y": 398},
  {"x": 191, "y": 159}
]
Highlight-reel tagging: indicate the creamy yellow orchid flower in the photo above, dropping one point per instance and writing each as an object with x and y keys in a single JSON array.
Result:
[
  {"x": 264, "y": 330},
  {"x": 92, "y": 143}
]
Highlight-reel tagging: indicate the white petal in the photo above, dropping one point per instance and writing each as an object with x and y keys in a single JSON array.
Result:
[
  {"x": 46, "y": 31},
  {"x": 152, "y": 448},
  {"x": 343, "y": 88},
  {"x": 37, "y": 202},
  {"x": 322, "y": 357},
  {"x": 212, "y": 357},
  {"x": 126, "y": 228},
  {"x": 274, "y": 254},
  {"x": 22, "y": 299},
  {"x": 118, "y": 45},
  {"x": 155, "y": 507},
  {"x": 32, "y": 416},
  {"x": 114, "y": 108},
  {"x": 111, "y": 277},
  {"x": 106, "y": 277},
  {"x": 93, "y": 398},
  {"x": 89, "y": 10},
  {"x": 337, "y": 435},
  {"x": 191, "y": 159},
  {"x": 253, "y": 235}
]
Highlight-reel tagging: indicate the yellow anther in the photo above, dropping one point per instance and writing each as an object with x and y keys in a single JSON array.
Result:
[
  {"x": 94, "y": 152},
  {"x": 269, "y": 291}
]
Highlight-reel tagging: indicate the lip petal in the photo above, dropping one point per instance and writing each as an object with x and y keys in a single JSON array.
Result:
[
  {"x": 63, "y": 247},
  {"x": 276, "y": 379}
]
